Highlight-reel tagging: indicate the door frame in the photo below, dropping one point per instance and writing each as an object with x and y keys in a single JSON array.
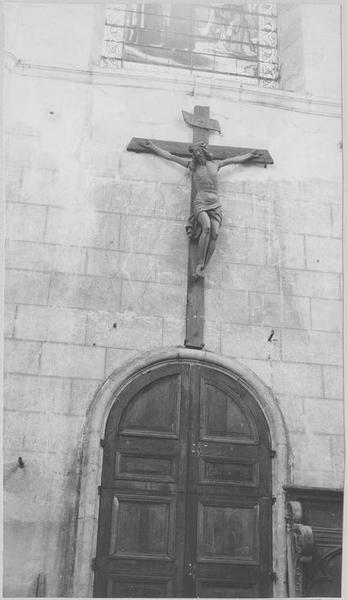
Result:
[{"x": 92, "y": 455}]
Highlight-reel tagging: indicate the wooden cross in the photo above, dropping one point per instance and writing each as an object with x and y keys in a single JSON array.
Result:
[{"x": 202, "y": 125}]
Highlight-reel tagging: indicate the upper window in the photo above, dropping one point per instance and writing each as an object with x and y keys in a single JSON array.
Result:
[{"x": 238, "y": 40}]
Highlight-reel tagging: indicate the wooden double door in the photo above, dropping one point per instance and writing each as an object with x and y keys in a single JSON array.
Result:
[{"x": 185, "y": 496}]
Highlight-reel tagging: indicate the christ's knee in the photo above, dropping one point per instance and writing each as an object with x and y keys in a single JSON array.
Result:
[
  {"x": 214, "y": 235},
  {"x": 206, "y": 229}
]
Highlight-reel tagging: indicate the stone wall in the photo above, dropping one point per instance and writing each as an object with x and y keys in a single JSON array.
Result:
[{"x": 96, "y": 258}]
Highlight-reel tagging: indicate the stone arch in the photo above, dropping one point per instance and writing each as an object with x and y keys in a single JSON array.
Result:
[{"x": 92, "y": 454}]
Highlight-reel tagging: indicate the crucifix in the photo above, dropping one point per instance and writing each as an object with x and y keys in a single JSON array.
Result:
[{"x": 206, "y": 211}]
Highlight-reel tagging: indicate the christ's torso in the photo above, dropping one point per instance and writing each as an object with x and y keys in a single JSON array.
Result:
[{"x": 204, "y": 178}]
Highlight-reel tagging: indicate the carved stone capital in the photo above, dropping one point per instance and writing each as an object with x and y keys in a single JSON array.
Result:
[{"x": 300, "y": 543}]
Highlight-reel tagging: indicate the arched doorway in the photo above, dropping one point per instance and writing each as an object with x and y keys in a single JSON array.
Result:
[{"x": 186, "y": 491}]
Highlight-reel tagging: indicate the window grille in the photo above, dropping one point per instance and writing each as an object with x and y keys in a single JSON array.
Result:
[{"x": 237, "y": 40}]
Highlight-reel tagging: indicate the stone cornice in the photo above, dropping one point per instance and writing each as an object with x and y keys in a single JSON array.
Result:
[{"x": 196, "y": 84}]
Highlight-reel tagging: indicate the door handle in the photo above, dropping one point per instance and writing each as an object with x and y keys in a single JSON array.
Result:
[
  {"x": 191, "y": 570},
  {"x": 196, "y": 448}
]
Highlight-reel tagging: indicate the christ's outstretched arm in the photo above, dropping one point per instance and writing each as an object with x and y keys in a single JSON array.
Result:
[
  {"x": 240, "y": 158},
  {"x": 184, "y": 162}
]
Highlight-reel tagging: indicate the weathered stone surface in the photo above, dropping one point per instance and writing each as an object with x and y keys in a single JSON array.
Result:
[
  {"x": 212, "y": 336},
  {"x": 306, "y": 448},
  {"x": 262, "y": 368},
  {"x": 80, "y": 398},
  {"x": 24, "y": 222},
  {"x": 42, "y": 186},
  {"x": 22, "y": 356},
  {"x": 280, "y": 311},
  {"x": 124, "y": 197},
  {"x": 250, "y": 278},
  {"x": 171, "y": 270},
  {"x": 331, "y": 479},
  {"x": 138, "y": 267},
  {"x": 244, "y": 209},
  {"x": 85, "y": 292},
  {"x": 226, "y": 305},
  {"x": 311, "y": 347},
  {"x": 43, "y": 432},
  {"x": 152, "y": 236},
  {"x": 337, "y": 449},
  {"x": 13, "y": 183},
  {"x": 115, "y": 358},
  {"x": 173, "y": 201},
  {"x": 26, "y": 287},
  {"x": 288, "y": 251},
  {"x": 292, "y": 409},
  {"x": 337, "y": 220},
  {"x": 174, "y": 331},
  {"x": 101, "y": 157},
  {"x": 324, "y": 417},
  {"x": 35, "y": 393},
  {"x": 324, "y": 254},
  {"x": 51, "y": 323},
  {"x": 82, "y": 228},
  {"x": 45, "y": 257},
  {"x": 245, "y": 246},
  {"x": 295, "y": 379},
  {"x": 298, "y": 217},
  {"x": 326, "y": 314},
  {"x": 333, "y": 382},
  {"x": 124, "y": 330},
  {"x": 65, "y": 360},
  {"x": 20, "y": 149},
  {"x": 153, "y": 299},
  {"x": 14, "y": 431},
  {"x": 151, "y": 168},
  {"x": 309, "y": 283},
  {"x": 65, "y": 433},
  {"x": 103, "y": 262},
  {"x": 248, "y": 342},
  {"x": 9, "y": 319}
]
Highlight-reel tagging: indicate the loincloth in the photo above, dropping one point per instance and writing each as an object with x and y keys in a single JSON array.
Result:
[{"x": 193, "y": 227}]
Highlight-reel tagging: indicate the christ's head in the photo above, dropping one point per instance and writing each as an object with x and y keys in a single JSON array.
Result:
[{"x": 200, "y": 154}]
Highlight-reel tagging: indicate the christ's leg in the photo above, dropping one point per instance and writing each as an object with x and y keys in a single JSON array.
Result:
[
  {"x": 204, "y": 241},
  {"x": 215, "y": 227}
]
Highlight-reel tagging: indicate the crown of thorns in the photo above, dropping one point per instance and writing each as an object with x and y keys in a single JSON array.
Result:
[{"x": 201, "y": 145}]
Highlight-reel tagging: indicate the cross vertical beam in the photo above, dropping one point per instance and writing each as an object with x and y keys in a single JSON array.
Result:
[{"x": 195, "y": 311}]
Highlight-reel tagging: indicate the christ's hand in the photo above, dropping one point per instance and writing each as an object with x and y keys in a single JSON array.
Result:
[{"x": 149, "y": 145}]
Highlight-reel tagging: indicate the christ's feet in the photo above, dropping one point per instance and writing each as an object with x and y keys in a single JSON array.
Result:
[{"x": 199, "y": 272}]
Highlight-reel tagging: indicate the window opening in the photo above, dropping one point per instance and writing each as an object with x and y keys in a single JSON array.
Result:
[{"x": 235, "y": 40}]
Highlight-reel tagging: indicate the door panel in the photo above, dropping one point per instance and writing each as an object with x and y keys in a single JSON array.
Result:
[
  {"x": 154, "y": 410},
  {"x": 222, "y": 416},
  {"x": 226, "y": 589},
  {"x": 227, "y": 533},
  {"x": 142, "y": 505},
  {"x": 185, "y": 505},
  {"x": 138, "y": 587},
  {"x": 142, "y": 527}
]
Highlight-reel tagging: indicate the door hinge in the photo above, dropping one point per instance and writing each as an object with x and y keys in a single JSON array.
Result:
[
  {"x": 273, "y": 453},
  {"x": 93, "y": 565},
  {"x": 273, "y": 500},
  {"x": 102, "y": 443},
  {"x": 99, "y": 490},
  {"x": 273, "y": 576}
]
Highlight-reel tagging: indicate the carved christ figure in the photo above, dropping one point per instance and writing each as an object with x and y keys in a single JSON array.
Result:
[{"x": 206, "y": 219}]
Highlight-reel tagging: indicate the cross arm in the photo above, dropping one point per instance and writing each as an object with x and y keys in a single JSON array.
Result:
[
  {"x": 218, "y": 152},
  {"x": 176, "y": 148},
  {"x": 165, "y": 154}
]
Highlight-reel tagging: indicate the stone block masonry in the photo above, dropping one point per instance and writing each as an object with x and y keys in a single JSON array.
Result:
[
  {"x": 90, "y": 286},
  {"x": 96, "y": 261}
]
